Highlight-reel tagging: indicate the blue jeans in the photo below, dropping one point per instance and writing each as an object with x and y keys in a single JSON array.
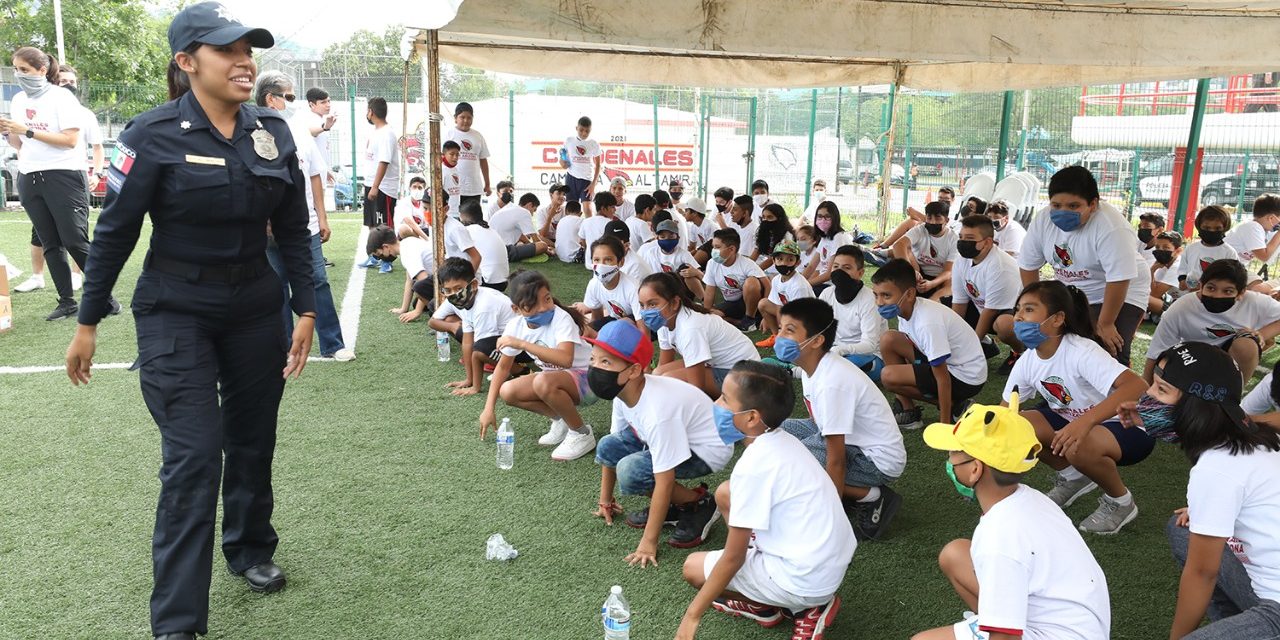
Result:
[
  {"x": 328, "y": 329},
  {"x": 1235, "y": 611},
  {"x": 859, "y": 470},
  {"x": 870, "y": 364},
  {"x": 625, "y": 452}
]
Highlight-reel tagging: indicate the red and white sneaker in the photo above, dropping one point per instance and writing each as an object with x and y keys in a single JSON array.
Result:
[
  {"x": 812, "y": 623},
  {"x": 764, "y": 616}
]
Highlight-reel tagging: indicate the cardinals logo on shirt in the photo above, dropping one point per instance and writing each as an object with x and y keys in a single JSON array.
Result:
[
  {"x": 1062, "y": 253},
  {"x": 617, "y": 310},
  {"x": 1220, "y": 330},
  {"x": 666, "y": 268},
  {"x": 1058, "y": 392},
  {"x": 582, "y": 151},
  {"x": 31, "y": 114},
  {"x": 808, "y": 407},
  {"x": 466, "y": 145},
  {"x": 1205, "y": 262},
  {"x": 782, "y": 297},
  {"x": 455, "y": 179},
  {"x": 732, "y": 283},
  {"x": 971, "y": 290},
  {"x": 933, "y": 251}
]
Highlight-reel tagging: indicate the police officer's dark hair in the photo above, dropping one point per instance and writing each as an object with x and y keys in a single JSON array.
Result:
[
  {"x": 1226, "y": 271},
  {"x": 523, "y": 289},
  {"x": 417, "y": 179},
  {"x": 728, "y": 237},
  {"x": 760, "y": 184},
  {"x": 724, "y": 193},
  {"x": 271, "y": 82},
  {"x": 853, "y": 251},
  {"x": 37, "y": 58},
  {"x": 584, "y": 122},
  {"x": 766, "y": 389},
  {"x": 178, "y": 80},
  {"x": 316, "y": 94},
  {"x": 897, "y": 272},
  {"x": 817, "y": 316},
  {"x": 450, "y": 144},
  {"x": 604, "y": 199},
  {"x": 378, "y": 236},
  {"x": 379, "y": 107},
  {"x": 644, "y": 201},
  {"x": 1075, "y": 180},
  {"x": 613, "y": 243},
  {"x": 529, "y": 199},
  {"x": 457, "y": 269},
  {"x": 505, "y": 184},
  {"x": 983, "y": 224}
]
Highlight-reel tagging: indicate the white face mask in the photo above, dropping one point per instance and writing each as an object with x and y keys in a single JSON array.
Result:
[
  {"x": 290, "y": 109},
  {"x": 819, "y": 195},
  {"x": 416, "y": 194},
  {"x": 760, "y": 199},
  {"x": 606, "y": 273}
]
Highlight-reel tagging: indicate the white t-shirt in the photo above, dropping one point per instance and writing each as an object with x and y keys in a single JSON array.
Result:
[
  {"x": 1035, "y": 573},
  {"x": 1102, "y": 251},
  {"x": 488, "y": 316},
  {"x": 1238, "y": 497},
  {"x": 843, "y": 401},
  {"x": 797, "y": 522},
  {"x": 1259, "y": 400},
  {"x": 511, "y": 222},
  {"x": 746, "y": 234},
  {"x": 635, "y": 266},
  {"x": 451, "y": 182},
  {"x": 796, "y": 288},
  {"x": 706, "y": 337},
  {"x": 561, "y": 329},
  {"x": 540, "y": 216},
  {"x": 1197, "y": 257},
  {"x": 701, "y": 234},
  {"x": 457, "y": 239},
  {"x": 1246, "y": 238},
  {"x": 827, "y": 249},
  {"x": 90, "y": 130},
  {"x": 858, "y": 323},
  {"x": 567, "y": 230},
  {"x": 55, "y": 111},
  {"x": 731, "y": 278},
  {"x": 640, "y": 231},
  {"x": 943, "y": 336},
  {"x": 494, "y": 267},
  {"x": 306, "y": 119},
  {"x": 1147, "y": 253},
  {"x": 474, "y": 149},
  {"x": 592, "y": 229},
  {"x": 1077, "y": 377},
  {"x": 932, "y": 253},
  {"x": 416, "y": 255},
  {"x": 653, "y": 255},
  {"x": 991, "y": 284},
  {"x": 1009, "y": 237},
  {"x": 383, "y": 147},
  {"x": 1168, "y": 275},
  {"x": 309, "y": 161},
  {"x": 582, "y": 156},
  {"x": 674, "y": 420},
  {"x": 410, "y": 213},
  {"x": 1187, "y": 319},
  {"x": 623, "y": 301},
  {"x": 626, "y": 210}
]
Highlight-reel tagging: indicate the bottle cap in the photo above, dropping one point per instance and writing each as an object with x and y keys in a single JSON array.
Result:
[{"x": 616, "y": 590}]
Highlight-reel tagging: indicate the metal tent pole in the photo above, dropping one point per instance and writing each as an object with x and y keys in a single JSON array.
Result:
[
  {"x": 1006, "y": 114},
  {"x": 1192, "y": 165},
  {"x": 813, "y": 123}
]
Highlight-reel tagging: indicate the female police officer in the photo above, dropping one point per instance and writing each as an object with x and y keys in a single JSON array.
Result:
[{"x": 213, "y": 173}]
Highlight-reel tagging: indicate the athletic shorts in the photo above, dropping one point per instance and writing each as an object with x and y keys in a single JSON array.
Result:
[
  {"x": 585, "y": 396},
  {"x": 489, "y": 346},
  {"x": 496, "y": 286},
  {"x": 719, "y": 375},
  {"x": 754, "y": 582},
  {"x": 1127, "y": 322},
  {"x": 1135, "y": 444},
  {"x": 377, "y": 211},
  {"x": 928, "y": 385},
  {"x": 518, "y": 252},
  {"x": 735, "y": 309},
  {"x": 577, "y": 188},
  {"x": 972, "y": 313}
]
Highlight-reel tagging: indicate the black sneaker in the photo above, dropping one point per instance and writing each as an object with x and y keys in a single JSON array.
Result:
[
  {"x": 695, "y": 520},
  {"x": 65, "y": 309},
  {"x": 908, "y": 419},
  {"x": 1007, "y": 368},
  {"x": 113, "y": 306},
  {"x": 873, "y": 518},
  {"x": 328, "y": 262},
  {"x": 640, "y": 519},
  {"x": 989, "y": 349}
]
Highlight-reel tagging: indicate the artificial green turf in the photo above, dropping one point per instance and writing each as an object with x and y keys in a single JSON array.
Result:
[{"x": 385, "y": 496}]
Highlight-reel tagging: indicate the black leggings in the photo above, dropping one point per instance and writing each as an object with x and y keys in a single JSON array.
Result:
[{"x": 58, "y": 206}]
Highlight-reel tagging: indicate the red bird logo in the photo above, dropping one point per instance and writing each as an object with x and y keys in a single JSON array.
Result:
[
  {"x": 782, "y": 297},
  {"x": 666, "y": 268},
  {"x": 617, "y": 311},
  {"x": 582, "y": 151},
  {"x": 1063, "y": 253},
  {"x": 1057, "y": 390},
  {"x": 933, "y": 252},
  {"x": 1220, "y": 330},
  {"x": 466, "y": 144},
  {"x": 608, "y": 174},
  {"x": 971, "y": 290},
  {"x": 732, "y": 283},
  {"x": 31, "y": 114},
  {"x": 455, "y": 178},
  {"x": 1205, "y": 262}
]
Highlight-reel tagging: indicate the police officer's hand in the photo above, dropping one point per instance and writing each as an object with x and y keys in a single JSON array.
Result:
[
  {"x": 302, "y": 332},
  {"x": 80, "y": 354}
]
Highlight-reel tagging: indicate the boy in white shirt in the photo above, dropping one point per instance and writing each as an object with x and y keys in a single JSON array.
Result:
[
  {"x": 626, "y": 209},
  {"x": 419, "y": 265},
  {"x": 666, "y": 255},
  {"x": 662, "y": 431},
  {"x": 1167, "y": 255},
  {"x": 581, "y": 155},
  {"x": 985, "y": 286},
  {"x": 475, "y": 316},
  {"x": 411, "y": 211},
  {"x": 494, "y": 266},
  {"x": 1212, "y": 223},
  {"x": 858, "y": 322},
  {"x": 451, "y": 174},
  {"x": 789, "y": 543},
  {"x": 931, "y": 250},
  {"x": 567, "y": 229},
  {"x": 850, "y": 429},
  {"x": 547, "y": 218},
  {"x": 1150, "y": 226},
  {"x": 381, "y": 174},
  {"x": 593, "y": 226},
  {"x": 611, "y": 294},
  {"x": 514, "y": 224},
  {"x": 473, "y": 162},
  {"x": 639, "y": 222},
  {"x": 1026, "y": 573},
  {"x": 933, "y": 356},
  {"x": 741, "y": 282},
  {"x": 1257, "y": 239},
  {"x": 504, "y": 194},
  {"x": 633, "y": 266},
  {"x": 788, "y": 285},
  {"x": 1009, "y": 232}
]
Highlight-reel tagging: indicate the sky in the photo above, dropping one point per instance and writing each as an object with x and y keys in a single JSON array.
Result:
[{"x": 319, "y": 23}]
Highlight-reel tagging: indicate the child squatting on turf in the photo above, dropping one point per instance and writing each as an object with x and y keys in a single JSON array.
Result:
[
  {"x": 476, "y": 317},
  {"x": 663, "y": 431},
  {"x": 789, "y": 543}
]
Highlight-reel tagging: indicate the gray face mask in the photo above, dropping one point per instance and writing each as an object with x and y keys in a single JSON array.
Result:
[{"x": 34, "y": 85}]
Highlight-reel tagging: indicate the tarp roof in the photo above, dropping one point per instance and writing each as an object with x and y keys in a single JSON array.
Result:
[{"x": 952, "y": 45}]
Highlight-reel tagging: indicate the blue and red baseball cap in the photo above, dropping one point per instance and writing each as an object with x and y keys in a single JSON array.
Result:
[{"x": 624, "y": 340}]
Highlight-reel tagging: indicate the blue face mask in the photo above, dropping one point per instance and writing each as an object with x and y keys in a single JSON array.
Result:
[
  {"x": 716, "y": 257},
  {"x": 1029, "y": 333},
  {"x": 786, "y": 349},
  {"x": 668, "y": 245},
  {"x": 653, "y": 319},
  {"x": 538, "y": 320},
  {"x": 891, "y": 310},
  {"x": 729, "y": 434},
  {"x": 1065, "y": 220}
]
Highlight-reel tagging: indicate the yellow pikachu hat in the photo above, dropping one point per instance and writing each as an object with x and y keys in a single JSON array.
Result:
[{"x": 998, "y": 436}]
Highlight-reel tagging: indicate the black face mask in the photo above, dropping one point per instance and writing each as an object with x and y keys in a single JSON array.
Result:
[
  {"x": 1162, "y": 256},
  {"x": 998, "y": 224},
  {"x": 1212, "y": 237},
  {"x": 785, "y": 269},
  {"x": 676, "y": 195},
  {"x": 720, "y": 207},
  {"x": 847, "y": 287},
  {"x": 463, "y": 299},
  {"x": 1217, "y": 305},
  {"x": 967, "y": 248},
  {"x": 507, "y": 197},
  {"x": 370, "y": 120},
  {"x": 1145, "y": 235},
  {"x": 932, "y": 228},
  {"x": 604, "y": 383}
]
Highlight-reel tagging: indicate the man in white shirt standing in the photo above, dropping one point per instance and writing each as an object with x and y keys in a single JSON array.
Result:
[
  {"x": 318, "y": 121},
  {"x": 381, "y": 174},
  {"x": 473, "y": 162}
]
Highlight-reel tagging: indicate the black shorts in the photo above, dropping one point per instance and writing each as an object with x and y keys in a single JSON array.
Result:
[
  {"x": 377, "y": 211},
  {"x": 705, "y": 248},
  {"x": 736, "y": 309},
  {"x": 1127, "y": 322},
  {"x": 496, "y": 286},
  {"x": 1135, "y": 444},
  {"x": 518, "y": 252},
  {"x": 488, "y": 346},
  {"x": 971, "y": 315},
  {"x": 928, "y": 385},
  {"x": 577, "y": 188},
  {"x": 425, "y": 288}
]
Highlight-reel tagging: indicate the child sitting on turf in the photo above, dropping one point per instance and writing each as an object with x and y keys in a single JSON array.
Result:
[
  {"x": 567, "y": 247},
  {"x": 789, "y": 543},
  {"x": 1212, "y": 224},
  {"x": 611, "y": 294},
  {"x": 859, "y": 325},
  {"x": 1027, "y": 573},
  {"x": 830, "y": 236},
  {"x": 931, "y": 250},
  {"x": 411, "y": 212},
  {"x": 1222, "y": 313},
  {"x": 984, "y": 287},
  {"x": 494, "y": 265},
  {"x": 639, "y": 224},
  {"x": 1167, "y": 256},
  {"x": 806, "y": 239},
  {"x": 850, "y": 429},
  {"x": 606, "y": 207},
  {"x": 1082, "y": 387},
  {"x": 708, "y": 346},
  {"x": 475, "y": 316},
  {"x": 740, "y": 281},
  {"x": 552, "y": 335},
  {"x": 632, "y": 265},
  {"x": 785, "y": 287},
  {"x": 773, "y": 230},
  {"x": 662, "y": 431},
  {"x": 419, "y": 265},
  {"x": 1009, "y": 232},
  {"x": 933, "y": 355},
  {"x": 667, "y": 256}
]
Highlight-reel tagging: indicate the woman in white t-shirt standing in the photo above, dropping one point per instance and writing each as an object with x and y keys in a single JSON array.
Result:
[{"x": 44, "y": 127}]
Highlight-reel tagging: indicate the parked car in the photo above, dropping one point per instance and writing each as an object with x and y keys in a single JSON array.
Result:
[
  {"x": 1220, "y": 178},
  {"x": 870, "y": 175},
  {"x": 844, "y": 172}
]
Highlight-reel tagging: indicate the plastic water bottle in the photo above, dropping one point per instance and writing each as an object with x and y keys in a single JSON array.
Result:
[
  {"x": 442, "y": 346},
  {"x": 616, "y": 614},
  {"x": 506, "y": 445}
]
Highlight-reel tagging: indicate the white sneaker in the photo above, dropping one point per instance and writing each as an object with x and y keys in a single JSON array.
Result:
[
  {"x": 30, "y": 284},
  {"x": 575, "y": 445},
  {"x": 344, "y": 355},
  {"x": 77, "y": 281},
  {"x": 554, "y": 435}
]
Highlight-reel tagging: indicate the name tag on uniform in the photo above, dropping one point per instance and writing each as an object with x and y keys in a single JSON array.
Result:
[{"x": 217, "y": 162}]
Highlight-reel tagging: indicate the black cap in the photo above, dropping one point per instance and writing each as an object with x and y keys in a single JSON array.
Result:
[
  {"x": 463, "y": 107},
  {"x": 1206, "y": 372},
  {"x": 212, "y": 23},
  {"x": 618, "y": 229}
]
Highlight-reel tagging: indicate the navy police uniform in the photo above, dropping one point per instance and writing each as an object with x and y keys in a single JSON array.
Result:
[{"x": 211, "y": 347}]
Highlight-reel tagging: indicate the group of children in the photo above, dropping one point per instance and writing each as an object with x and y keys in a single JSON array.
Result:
[{"x": 694, "y": 279}]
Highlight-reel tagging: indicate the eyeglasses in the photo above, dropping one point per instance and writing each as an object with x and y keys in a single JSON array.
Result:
[{"x": 287, "y": 97}]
